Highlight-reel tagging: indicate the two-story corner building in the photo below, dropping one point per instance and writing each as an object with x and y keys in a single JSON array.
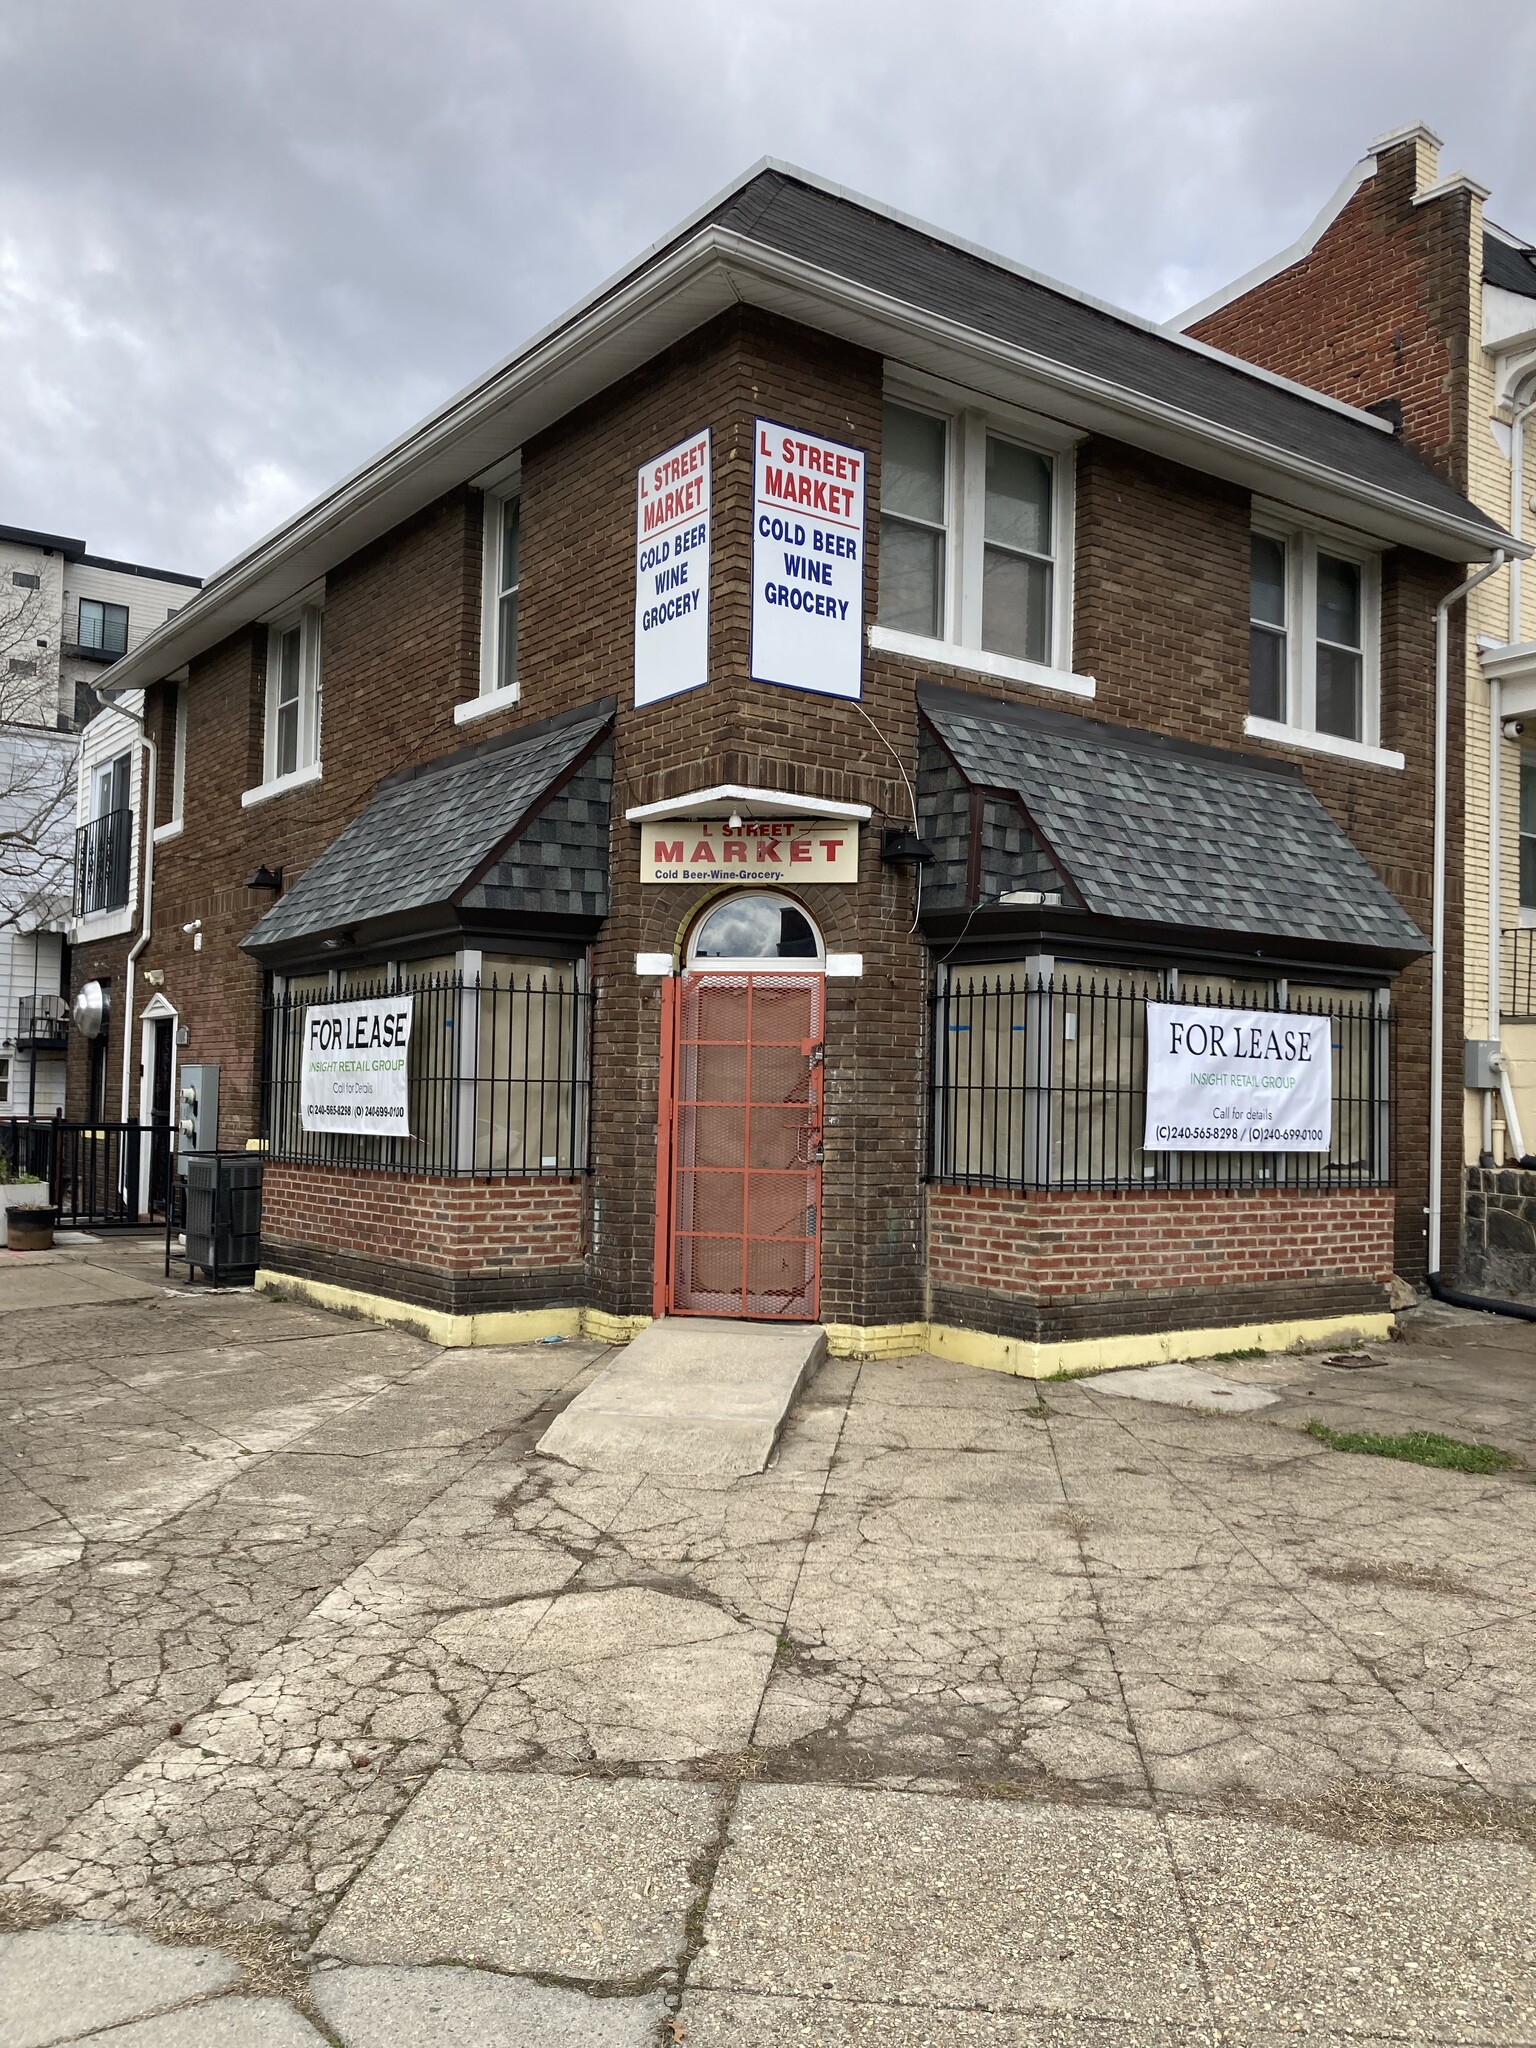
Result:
[
  {"x": 773, "y": 751},
  {"x": 65, "y": 616},
  {"x": 1402, "y": 295}
]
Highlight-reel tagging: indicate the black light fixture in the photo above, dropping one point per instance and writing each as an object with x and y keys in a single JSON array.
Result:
[
  {"x": 337, "y": 942},
  {"x": 267, "y": 878},
  {"x": 900, "y": 847}
]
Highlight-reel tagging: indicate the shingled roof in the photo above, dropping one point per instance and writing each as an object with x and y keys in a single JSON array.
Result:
[
  {"x": 1511, "y": 269},
  {"x": 429, "y": 835},
  {"x": 1150, "y": 830},
  {"x": 870, "y": 247}
]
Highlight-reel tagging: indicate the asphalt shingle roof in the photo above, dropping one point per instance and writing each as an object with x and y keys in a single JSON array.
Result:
[
  {"x": 900, "y": 260},
  {"x": 1512, "y": 270},
  {"x": 421, "y": 837},
  {"x": 1155, "y": 832}
]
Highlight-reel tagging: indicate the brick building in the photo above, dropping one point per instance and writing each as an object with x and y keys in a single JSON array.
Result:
[
  {"x": 1403, "y": 296},
  {"x": 785, "y": 738}
]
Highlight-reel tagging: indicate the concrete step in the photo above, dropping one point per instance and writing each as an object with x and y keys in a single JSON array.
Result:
[{"x": 697, "y": 1398}]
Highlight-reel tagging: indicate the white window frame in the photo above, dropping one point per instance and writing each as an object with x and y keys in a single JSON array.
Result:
[
  {"x": 968, "y": 427},
  {"x": 5, "y": 1079},
  {"x": 307, "y": 616},
  {"x": 171, "y": 829},
  {"x": 1298, "y": 728},
  {"x": 500, "y": 488}
]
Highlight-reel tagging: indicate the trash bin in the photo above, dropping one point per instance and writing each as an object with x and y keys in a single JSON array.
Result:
[{"x": 223, "y": 1214}]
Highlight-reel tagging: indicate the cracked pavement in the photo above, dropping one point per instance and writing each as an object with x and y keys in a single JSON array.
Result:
[{"x": 333, "y": 1711}]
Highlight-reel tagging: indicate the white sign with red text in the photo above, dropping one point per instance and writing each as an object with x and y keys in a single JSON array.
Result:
[
  {"x": 762, "y": 850},
  {"x": 1237, "y": 1080},
  {"x": 672, "y": 572},
  {"x": 807, "y": 561}
]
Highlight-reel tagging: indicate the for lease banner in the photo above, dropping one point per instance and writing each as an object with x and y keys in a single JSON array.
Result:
[
  {"x": 354, "y": 1075},
  {"x": 761, "y": 850},
  {"x": 672, "y": 571},
  {"x": 807, "y": 561},
  {"x": 1237, "y": 1080}
]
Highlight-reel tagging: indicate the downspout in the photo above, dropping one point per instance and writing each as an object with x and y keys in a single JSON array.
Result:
[
  {"x": 1437, "y": 933},
  {"x": 1512, "y": 1129},
  {"x": 147, "y": 832}
]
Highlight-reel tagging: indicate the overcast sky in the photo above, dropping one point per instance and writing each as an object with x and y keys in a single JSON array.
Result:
[{"x": 243, "y": 247}]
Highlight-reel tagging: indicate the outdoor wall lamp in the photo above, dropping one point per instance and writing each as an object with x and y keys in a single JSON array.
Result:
[
  {"x": 900, "y": 847},
  {"x": 267, "y": 878}
]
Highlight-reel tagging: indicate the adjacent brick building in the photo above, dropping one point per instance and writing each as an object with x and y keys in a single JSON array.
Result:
[
  {"x": 950, "y": 524},
  {"x": 1403, "y": 297}
]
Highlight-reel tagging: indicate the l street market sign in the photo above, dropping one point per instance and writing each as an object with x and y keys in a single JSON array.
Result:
[
  {"x": 354, "y": 1073},
  {"x": 807, "y": 561},
  {"x": 761, "y": 850},
  {"x": 1237, "y": 1080},
  {"x": 672, "y": 572}
]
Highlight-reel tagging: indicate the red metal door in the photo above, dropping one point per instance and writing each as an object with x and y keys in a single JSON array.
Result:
[{"x": 746, "y": 1146}]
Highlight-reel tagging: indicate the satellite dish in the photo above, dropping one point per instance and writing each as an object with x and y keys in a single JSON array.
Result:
[{"x": 91, "y": 1008}]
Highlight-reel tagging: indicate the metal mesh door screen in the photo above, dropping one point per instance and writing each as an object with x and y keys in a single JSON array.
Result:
[{"x": 746, "y": 1197}]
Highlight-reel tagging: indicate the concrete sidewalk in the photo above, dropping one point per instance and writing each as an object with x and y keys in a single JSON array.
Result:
[{"x": 989, "y": 1713}]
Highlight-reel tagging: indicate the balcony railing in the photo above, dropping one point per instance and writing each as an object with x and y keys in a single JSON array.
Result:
[
  {"x": 101, "y": 863},
  {"x": 1517, "y": 972},
  {"x": 42, "y": 1024}
]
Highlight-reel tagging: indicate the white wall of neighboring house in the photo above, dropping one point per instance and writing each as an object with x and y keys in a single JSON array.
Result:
[
  {"x": 30, "y": 677},
  {"x": 33, "y": 917}
]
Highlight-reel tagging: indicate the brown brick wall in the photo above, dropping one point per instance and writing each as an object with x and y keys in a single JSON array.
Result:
[
  {"x": 1378, "y": 310},
  {"x": 1057, "y": 1265}
]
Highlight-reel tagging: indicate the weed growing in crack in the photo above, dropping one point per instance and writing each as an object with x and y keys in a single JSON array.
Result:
[{"x": 1417, "y": 1447}]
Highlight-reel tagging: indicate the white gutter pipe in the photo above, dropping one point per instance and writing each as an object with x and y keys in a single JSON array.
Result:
[
  {"x": 147, "y": 832},
  {"x": 1437, "y": 934},
  {"x": 1496, "y": 796}
]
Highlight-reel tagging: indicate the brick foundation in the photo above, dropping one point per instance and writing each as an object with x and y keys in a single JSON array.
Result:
[
  {"x": 460, "y": 1245},
  {"x": 1052, "y": 1266}
]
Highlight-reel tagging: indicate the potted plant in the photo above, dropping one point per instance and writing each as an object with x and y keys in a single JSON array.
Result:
[{"x": 29, "y": 1217}]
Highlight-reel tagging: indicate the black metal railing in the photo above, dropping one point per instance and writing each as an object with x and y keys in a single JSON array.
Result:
[
  {"x": 1517, "y": 972},
  {"x": 498, "y": 1078},
  {"x": 42, "y": 1024},
  {"x": 1041, "y": 1083},
  {"x": 102, "y": 851},
  {"x": 96, "y": 1176}
]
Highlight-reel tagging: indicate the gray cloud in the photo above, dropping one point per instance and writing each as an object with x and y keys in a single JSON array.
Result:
[{"x": 240, "y": 249}]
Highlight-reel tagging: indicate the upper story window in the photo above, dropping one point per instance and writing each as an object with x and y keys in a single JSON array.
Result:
[
  {"x": 1528, "y": 841},
  {"x": 103, "y": 627},
  {"x": 293, "y": 694},
  {"x": 1312, "y": 644},
  {"x": 973, "y": 520}
]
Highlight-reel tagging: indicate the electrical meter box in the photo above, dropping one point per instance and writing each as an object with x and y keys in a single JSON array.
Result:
[{"x": 197, "y": 1110}]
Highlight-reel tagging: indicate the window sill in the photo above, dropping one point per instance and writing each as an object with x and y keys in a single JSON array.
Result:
[
  {"x": 163, "y": 833},
  {"x": 103, "y": 924},
  {"x": 1322, "y": 743},
  {"x": 486, "y": 706},
  {"x": 264, "y": 792},
  {"x": 977, "y": 662}
]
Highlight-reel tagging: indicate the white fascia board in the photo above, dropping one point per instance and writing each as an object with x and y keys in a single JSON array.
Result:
[
  {"x": 1357, "y": 175},
  {"x": 685, "y": 288},
  {"x": 726, "y": 797},
  {"x": 1515, "y": 664}
]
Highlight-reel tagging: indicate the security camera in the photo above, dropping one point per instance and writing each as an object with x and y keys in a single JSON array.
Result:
[
  {"x": 195, "y": 926},
  {"x": 1513, "y": 728}
]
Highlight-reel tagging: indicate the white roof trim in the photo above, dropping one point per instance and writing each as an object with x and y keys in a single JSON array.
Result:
[
  {"x": 587, "y": 350},
  {"x": 1411, "y": 131},
  {"x": 1359, "y": 174},
  {"x": 1458, "y": 181},
  {"x": 1510, "y": 664},
  {"x": 726, "y": 797}
]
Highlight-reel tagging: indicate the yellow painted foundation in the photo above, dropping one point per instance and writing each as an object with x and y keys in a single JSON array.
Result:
[{"x": 1016, "y": 1355}]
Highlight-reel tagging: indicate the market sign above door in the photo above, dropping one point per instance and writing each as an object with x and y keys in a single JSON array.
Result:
[
  {"x": 762, "y": 850},
  {"x": 354, "y": 1067},
  {"x": 1237, "y": 1080},
  {"x": 672, "y": 572},
  {"x": 807, "y": 561}
]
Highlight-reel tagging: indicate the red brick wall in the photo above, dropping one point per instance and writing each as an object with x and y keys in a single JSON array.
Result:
[
  {"x": 449, "y": 1228},
  {"x": 1126, "y": 1260},
  {"x": 1381, "y": 308}
]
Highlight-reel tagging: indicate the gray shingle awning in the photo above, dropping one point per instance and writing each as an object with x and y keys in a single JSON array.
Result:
[
  {"x": 1149, "y": 830},
  {"x": 443, "y": 843}
]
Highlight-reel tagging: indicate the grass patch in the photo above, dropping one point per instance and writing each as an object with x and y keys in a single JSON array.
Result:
[
  {"x": 1418, "y": 1447},
  {"x": 1232, "y": 1357}
]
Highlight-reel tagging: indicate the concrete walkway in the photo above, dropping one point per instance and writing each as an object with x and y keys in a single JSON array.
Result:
[{"x": 987, "y": 1714}]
